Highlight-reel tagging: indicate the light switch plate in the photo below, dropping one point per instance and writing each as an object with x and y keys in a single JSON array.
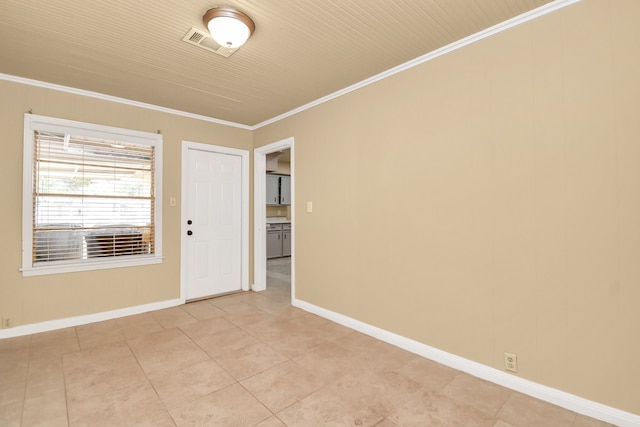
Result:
[{"x": 309, "y": 207}]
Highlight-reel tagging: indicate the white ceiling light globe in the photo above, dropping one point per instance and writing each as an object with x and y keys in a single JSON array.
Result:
[
  {"x": 228, "y": 27},
  {"x": 228, "y": 32}
]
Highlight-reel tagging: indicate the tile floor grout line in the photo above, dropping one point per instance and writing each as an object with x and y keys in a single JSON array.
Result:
[
  {"x": 503, "y": 403},
  {"x": 66, "y": 395},
  {"x": 212, "y": 359},
  {"x": 259, "y": 400},
  {"x": 146, "y": 377},
  {"x": 26, "y": 381}
]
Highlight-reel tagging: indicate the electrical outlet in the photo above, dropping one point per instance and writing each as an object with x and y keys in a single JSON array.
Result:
[{"x": 511, "y": 362}]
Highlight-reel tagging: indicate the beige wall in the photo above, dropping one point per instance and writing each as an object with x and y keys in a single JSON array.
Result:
[
  {"x": 279, "y": 211},
  {"x": 35, "y": 299},
  {"x": 489, "y": 201},
  {"x": 284, "y": 168}
]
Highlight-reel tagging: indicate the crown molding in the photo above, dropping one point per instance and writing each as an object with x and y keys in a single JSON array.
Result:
[
  {"x": 103, "y": 97},
  {"x": 498, "y": 28}
]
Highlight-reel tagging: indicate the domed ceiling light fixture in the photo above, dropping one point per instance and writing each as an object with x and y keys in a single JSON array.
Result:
[{"x": 228, "y": 27}]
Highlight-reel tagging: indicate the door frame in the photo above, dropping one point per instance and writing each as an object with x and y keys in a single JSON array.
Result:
[
  {"x": 244, "y": 228},
  {"x": 260, "y": 213}
]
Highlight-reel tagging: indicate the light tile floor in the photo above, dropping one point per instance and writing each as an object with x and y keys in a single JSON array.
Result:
[{"x": 247, "y": 359}]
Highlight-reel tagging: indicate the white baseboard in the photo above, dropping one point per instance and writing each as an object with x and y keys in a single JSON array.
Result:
[
  {"x": 68, "y": 322},
  {"x": 259, "y": 287},
  {"x": 560, "y": 398}
]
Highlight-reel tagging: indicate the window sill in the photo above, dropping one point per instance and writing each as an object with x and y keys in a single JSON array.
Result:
[{"x": 103, "y": 264}]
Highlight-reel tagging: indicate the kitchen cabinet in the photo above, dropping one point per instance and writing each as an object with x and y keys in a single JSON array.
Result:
[
  {"x": 278, "y": 189},
  {"x": 285, "y": 190},
  {"x": 286, "y": 240},
  {"x": 273, "y": 189},
  {"x": 274, "y": 241},
  {"x": 272, "y": 162},
  {"x": 278, "y": 240}
]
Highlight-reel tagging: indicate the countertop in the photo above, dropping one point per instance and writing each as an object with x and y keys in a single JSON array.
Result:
[{"x": 277, "y": 220}]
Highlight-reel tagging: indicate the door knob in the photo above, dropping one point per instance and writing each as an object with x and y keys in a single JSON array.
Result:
[{"x": 189, "y": 232}]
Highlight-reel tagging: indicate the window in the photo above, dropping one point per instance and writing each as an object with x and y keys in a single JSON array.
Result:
[{"x": 90, "y": 196}]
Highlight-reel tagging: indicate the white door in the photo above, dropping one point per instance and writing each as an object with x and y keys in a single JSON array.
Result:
[{"x": 213, "y": 223}]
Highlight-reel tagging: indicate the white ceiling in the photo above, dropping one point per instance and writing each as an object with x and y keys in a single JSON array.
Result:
[{"x": 301, "y": 50}]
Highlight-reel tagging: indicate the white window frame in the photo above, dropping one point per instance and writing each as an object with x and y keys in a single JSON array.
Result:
[{"x": 33, "y": 123}]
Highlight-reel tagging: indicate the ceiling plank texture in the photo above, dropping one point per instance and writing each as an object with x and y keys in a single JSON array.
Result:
[{"x": 301, "y": 50}]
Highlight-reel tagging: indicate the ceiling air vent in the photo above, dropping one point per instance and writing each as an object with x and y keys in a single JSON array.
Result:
[{"x": 205, "y": 41}]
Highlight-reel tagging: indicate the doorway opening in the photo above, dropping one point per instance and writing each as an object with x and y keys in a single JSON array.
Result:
[{"x": 278, "y": 266}]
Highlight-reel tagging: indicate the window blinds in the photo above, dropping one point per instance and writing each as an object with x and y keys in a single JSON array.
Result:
[{"x": 91, "y": 198}]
